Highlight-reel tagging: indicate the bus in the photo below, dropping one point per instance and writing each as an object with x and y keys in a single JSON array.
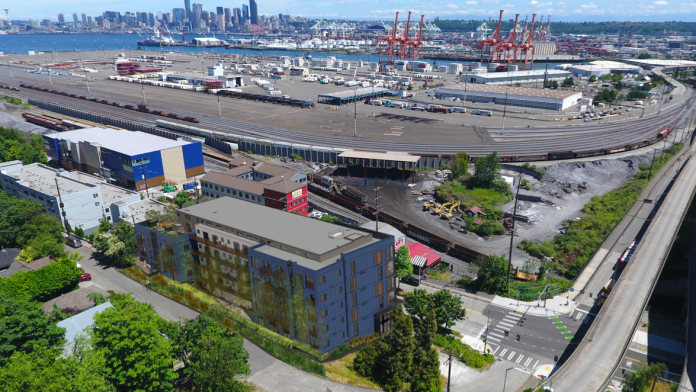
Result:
[{"x": 626, "y": 255}]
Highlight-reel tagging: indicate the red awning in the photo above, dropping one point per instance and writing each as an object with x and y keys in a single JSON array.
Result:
[{"x": 422, "y": 256}]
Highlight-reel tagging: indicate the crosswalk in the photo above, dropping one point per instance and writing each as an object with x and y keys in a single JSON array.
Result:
[{"x": 496, "y": 333}]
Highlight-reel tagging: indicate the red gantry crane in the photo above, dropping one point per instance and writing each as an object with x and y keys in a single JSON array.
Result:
[
  {"x": 527, "y": 47},
  {"x": 416, "y": 44},
  {"x": 505, "y": 50},
  {"x": 391, "y": 41},
  {"x": 492, "y": 41}
]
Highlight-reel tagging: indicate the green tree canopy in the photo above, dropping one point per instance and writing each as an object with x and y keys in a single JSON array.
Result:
[
  {"x": 460, "y": 166},
  {"x": 492, "y": 274},
  {"x": 46, "y": 283},
  {"x": 181, "y": 198},
  {"x": 399, "y": 345},
  {"x": 216, "y": 361},
  {"x": 487, "y": 171},
  {"x": 21, "y": 146},
  {"x": 426, "y": 361},
  {"x": 14, "y": 214},
  {"x": 137, "y": 356},
  {"x": 448, "y": 308},
  {"x": 402, "y": 263},
  {"x": 24, "y": 327},
  {"x": 642, "y": 379}
]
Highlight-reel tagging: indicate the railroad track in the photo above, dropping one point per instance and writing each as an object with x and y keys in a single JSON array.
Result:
[{"x": 550, "y": 139}]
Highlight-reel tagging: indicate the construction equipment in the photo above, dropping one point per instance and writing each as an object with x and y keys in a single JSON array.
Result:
[
  {"x": 448, "y": 214},
  {"x": 437, "y": 210},
  {"x": 606, "y": 290},
  {"x": 429, "y": 204}
]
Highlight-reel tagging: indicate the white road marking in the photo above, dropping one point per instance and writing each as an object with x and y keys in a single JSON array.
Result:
[
  {"x": 506, "y": 324},
  {"x": 519, "y": 358},
  {"x": 535, "y": 363},
  {"x": 503, "y": 352},
  {"x": 493, "y": 339},
  {"x": 528, "y": 361},
  {"x": 571, "y": 313},
  {"x": 514, "y": 314},
  {"x": 578, "y": 316},
  {"x": 499, "y": 330},
  {"x": 495, "y": 334},
  {"x": 512, "y": 354},
  {"x": 497, "y": 348}
]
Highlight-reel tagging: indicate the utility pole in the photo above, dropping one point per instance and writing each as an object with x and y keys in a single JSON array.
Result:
[
  {"x": 10, "y": 68},
  {"x": 355, "y": 101},
  {"x": 219, "y": 108},
  {"x": 142, "y": 86},
  {"x": 449, "y": 371},
  {"x": 505, "y": 109},
  {"x": 49, "y": 72},
  {"x": 144, "y": 179},
  {"x": 512, "y": 233},
  {"x": 61, "y": 206},
  {"x": 372, "y": 100},
  {"x": 488, "y": 323},
  {"x": 651, "y": 164},
  {"x": 546, "y": 289}
]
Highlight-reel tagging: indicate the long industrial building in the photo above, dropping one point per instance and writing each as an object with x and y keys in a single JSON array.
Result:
[
  {"x": 135, "y": 160},
  {"x": 599, "y": 68},
  {"x": 532, "y": 76},
  {"x": 517, "y": 96}
]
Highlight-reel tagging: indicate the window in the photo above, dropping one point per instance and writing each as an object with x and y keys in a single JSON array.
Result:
[
  {"x": 246, "y": 195},
  {"x": 321, "y": 280},
  {"x": 354, "y": 314},
  {"x": 389, "y": 253},
  {"x": 95, "y": 195},
  {"x": 340, "y": 289},
  {"x": 97, "y": 204},
  {"x": 339, "y": 272},
  {"x": 325, "y": 328},
  {"x": 309, "y": 282},
  {"x": 343, "y": 334},
  {"x": 141, "y": 161},
  {"x": 324, "y": 312},
  {"x": 190, "y": 272},
  {"x": 390, "y": 268},
  {"x": 234, "y": 193},
  {"x": 378, "y": 289},
  {"x": 341, "y": 323},
  {"x": 322, "y": 298},
  {"x": 356, "y": 330},
  {"x": 391, "y": 298},
  {"x": 352, "y": 267},
  {"x": 391, "y": 283},
  {"x": 378, "y": 258},
  {"x": 255, "y": 262},
  {"x": 340, "y": 305},
  {"x": 379, "y": 273},
  {"x": 326, "y": 343},
  {"x": 352, "y": 284},
  {"x": 381, "y": 302},
  {"x": 355, "y": 299}
]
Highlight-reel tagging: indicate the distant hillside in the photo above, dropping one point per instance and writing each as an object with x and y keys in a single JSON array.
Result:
[{"x": 557, "y": 28}]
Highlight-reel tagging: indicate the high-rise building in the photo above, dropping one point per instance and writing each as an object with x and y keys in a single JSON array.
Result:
[
  {"x": 219, "y": 11},
  {"x": 187, "y": 7},
  {"x": 76, "y": 21},
  {"x": 197, "y": 11},
  {"x": 151, "y": 18},
  {"x": 245, "y": 13},
  {"x": 228, "y": 16},
  {"x": 254, "y": 12},
  {"x": 84, "y": 19},
  {"x": 61, "y": 19},
  {"x": 89, "y": 21},
  {"x": 236, "y": 16},
  {"x": 178, "y": 15}
]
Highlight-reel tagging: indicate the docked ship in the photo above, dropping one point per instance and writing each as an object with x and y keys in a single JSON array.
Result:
[{"x": 158, "y": 40}]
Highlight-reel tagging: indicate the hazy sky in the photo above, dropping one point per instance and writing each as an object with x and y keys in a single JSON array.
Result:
[{"x": 569, "y": 10}]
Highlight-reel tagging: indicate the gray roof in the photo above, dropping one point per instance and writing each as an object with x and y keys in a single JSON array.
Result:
[
  {"x": 126, "y": 142},
  {"x": 139, "y": 208},
  {"x": 239, "y": 183},
  {"x": 76, "y": 324},
  {"x": 294, "y": 230}
]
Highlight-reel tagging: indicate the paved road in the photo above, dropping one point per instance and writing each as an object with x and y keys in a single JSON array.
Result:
[{"x": 593, "y": 362}]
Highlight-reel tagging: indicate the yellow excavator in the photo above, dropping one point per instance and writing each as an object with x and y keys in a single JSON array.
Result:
[
  {"x": 429, "y": 204},
  {"x": 448, "y": 214},
  {"x": 437, "y": 210}
]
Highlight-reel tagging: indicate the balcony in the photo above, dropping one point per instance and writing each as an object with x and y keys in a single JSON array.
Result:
[
  {"x": 139, "y": 240},
  {"x": 268, "y": 301},
  {"x": 312, "y": 318},
  {"x": 265, "y": 271},
  {"x": 270, "y": 316},
  {"x": 217, "y": 245},
  {"x": 279, "y": 275},
  {"x": 309, "y": 284},
  {"x": 281, "y": 292},
  {"x": 313, "y": 333},
  {"x": 243, "y": 267},
  {"x": 283, "y": 322},
  {"x": 311, "y": 303},
  {"x": 267, "y": 288},
  {"x": 283, "y": 308}
]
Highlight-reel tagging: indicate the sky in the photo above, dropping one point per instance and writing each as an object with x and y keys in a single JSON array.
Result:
[{"x": 566, "y": 10}]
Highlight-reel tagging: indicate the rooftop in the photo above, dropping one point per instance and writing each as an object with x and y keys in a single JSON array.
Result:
[
  {"x": 512, "y": 74},
  {"x": 234, "y": 182},
  {"x": 351, "y": 93},
  {"x": 380, "y": 155},
  {"x": 311, "y": 235},
  {"x": 608, "y": 65},
  {"x": 138, "y": 209},
  {"x": 663, "y": 63},
  {"x": 76, "y": 324},
  {"x": 126, "y": 142},
  {"x": 516, "y": 91},
  {"x": 281, "y": 185}
]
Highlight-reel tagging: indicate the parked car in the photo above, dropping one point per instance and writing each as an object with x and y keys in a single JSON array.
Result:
[
  {"x": 73, "y": 241},
  {"x": 412, "y": 280},
  {"x": 85, "y": 277}
]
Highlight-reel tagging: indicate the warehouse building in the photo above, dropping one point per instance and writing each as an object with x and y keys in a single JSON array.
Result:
[
  {"x": 349, "y": 96},
  {"x": 261, "y": 183},
  {"x": 215, "y": 75},
  {"x": 85, "y": 198},
  {"x": 532, "y": 76},
  {"x": 135, "y": 160},
  {"x": 600, "y": 68},
  {"x": 517, "y": 96},
  {"x": 248, "y": 254}
]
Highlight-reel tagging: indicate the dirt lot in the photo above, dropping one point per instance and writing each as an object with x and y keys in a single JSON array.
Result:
[{"x": 566, "y": 187}]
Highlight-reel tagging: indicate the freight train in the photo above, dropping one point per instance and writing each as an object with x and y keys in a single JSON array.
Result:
[{"x": 140, "y": 107}]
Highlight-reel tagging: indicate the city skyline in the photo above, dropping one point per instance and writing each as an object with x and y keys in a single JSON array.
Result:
[{"x": 620, "y": 10}]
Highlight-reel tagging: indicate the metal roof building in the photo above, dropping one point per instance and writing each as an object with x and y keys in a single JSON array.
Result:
[
  {"x": 349, "y": 96},
  {"x": 554, "y": 99},
  {"x": 532, "y": 76}
]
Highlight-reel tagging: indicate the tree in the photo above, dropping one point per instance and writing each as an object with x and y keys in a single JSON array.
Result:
[
  {"x": 447, "y": 308},
  {"x": 79, "y": 232},
  {"x": 426, "y": 362},
  {"x": 181, "y": 198},
  {"x": 400, "y": 345},
  {"x": 125, "y": 232},
  {"x": 402, "y": 263},
  {"x": 185, "y": 336},
  {"x": 24, "y": 327},
  {"x": 14, "y": 214},
  {"x": 104, "y": 225},
  {"x": 137, "y": 356},
  {"x": 46, "y": 283},
  {"x": 487, "y": 171},
  {"x": 42, "y": 246},
  {"x": 642, "y": 379},
  {"x": 592, "y": 79},
  {"x": 643, "y": 56},
  {"x": 568, "y": 82},
  {"x": 554, "y": 84},
  {"x": 167, "y": 214},
  {"x": 119, "y": 244},
  {"x": 492, "y": 274},
  {"x": 330, "y": 219},
  {"x": 215, "y": 362},
  {"x": 97, "y": 298},
  {"x": 460, "y": 166}
]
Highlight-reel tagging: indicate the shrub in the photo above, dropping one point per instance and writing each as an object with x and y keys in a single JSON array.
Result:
[
  {"x": 357, "y": 341},
  {"x": 372, "y": 337},
  {"x": 178, "y": 298},
  {"x": 160, "y": 280},
  {"x": 338, "y": 350},
  {"x": 445, "y": 167},
  {"x": 488, "y": 229},
  {"x": 43, "y": 284}
]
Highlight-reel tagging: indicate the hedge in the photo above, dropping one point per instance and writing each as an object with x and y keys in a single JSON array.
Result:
[{"x": 44, "y": 284}]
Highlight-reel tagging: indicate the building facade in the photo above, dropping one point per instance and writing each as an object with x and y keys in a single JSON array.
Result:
[
  {"x": 543, "y": 98},
  {"x": 167, "y": 250},
  {"x": 311, "y": 281},
  {"x": 260, "y": 183},
  {"x": 135, "y": 160}
]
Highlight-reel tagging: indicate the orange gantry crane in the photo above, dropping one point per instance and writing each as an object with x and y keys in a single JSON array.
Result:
[
  {"x": 391, "y": 41},
  {"x": 400, "y": 46},
  {"x": 526, "y": 47},
  {"x": 504, "y": 51},
  {"x": 492, "y": 41}
]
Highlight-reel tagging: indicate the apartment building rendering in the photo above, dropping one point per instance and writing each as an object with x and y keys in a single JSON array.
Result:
[
  {"x": 261, "y": 183},
  {"x": 311, "y": 281},
  {"x": 166, "y": 250}
]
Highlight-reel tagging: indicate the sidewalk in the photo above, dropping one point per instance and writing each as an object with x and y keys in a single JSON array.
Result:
[{"x": 554, "y": 306}]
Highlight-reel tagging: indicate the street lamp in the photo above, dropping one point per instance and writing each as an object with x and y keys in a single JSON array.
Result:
[{"x": 505, "y": 108}]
